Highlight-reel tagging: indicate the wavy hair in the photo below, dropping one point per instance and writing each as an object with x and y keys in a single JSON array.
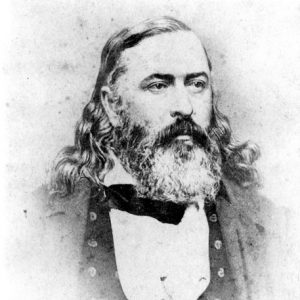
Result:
[{"x": 89, "y": 157}]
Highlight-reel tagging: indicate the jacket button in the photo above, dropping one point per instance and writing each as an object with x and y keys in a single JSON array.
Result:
[
  {"x": 92, "y": 271},
  {"x": 218, "y": 244},
  {"x": 221, "y": 273},
  {"x": 93, "y": 216},
  {"x": 213, "y": 218},
  {"x": 92, "y": 243}
]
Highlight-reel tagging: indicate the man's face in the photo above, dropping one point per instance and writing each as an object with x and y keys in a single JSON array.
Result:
[
  {"x": 167, "y": 77},
  {"x": 166, "y": 107}
]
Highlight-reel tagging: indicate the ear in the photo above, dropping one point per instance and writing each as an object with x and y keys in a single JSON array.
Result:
[{"x": 110, "y": 105}]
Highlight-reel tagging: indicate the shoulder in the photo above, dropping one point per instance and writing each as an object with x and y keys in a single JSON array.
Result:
[
  {"x": 56, "y": 236},
  {"x": 52, "y": 204},
  {"x": 251, "y": 206},
  {"x": 63, "y": 219},
  {"x": 63, "y": 216},
  {"x": 250, "y": 211}
]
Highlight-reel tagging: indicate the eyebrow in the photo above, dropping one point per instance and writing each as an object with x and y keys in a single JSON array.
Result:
[
  {"x": 166, "y": 77},
  {"x": 195, "y": 75},
  {"x": 171, "y": 78}
]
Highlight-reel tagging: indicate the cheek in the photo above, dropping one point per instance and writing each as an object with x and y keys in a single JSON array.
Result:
[
  {"x": 145, "y": 112},
  {"x": 203, "y": 116},
  {"x": 202, "y": 112}
]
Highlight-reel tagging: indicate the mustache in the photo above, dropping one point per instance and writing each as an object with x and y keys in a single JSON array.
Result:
[{"x": 183, "y": 127}]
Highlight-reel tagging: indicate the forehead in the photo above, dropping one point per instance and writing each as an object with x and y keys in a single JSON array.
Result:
[{"x": 176, "y": 53}]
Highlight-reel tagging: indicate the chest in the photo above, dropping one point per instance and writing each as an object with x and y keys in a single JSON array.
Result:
[
  {"x": 99, "y": 275},
  {"x": 148, "y": 251}
]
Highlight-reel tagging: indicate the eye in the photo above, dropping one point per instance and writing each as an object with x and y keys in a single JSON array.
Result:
[
  {"x": 197, "y": 85},
  {"x": 157, "y": 87}
]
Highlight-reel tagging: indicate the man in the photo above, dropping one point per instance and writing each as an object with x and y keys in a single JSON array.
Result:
[{"x": 155, "y": 193}]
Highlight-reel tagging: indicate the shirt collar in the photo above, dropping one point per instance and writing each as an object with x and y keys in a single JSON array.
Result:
[{"x": 118, "y": 174}]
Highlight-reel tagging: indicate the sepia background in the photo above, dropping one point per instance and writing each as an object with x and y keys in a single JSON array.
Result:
[{"x": 53, "y": 56}]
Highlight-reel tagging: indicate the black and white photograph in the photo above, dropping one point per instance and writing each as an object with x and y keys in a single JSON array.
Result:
[{"x": 151, "y": 150}]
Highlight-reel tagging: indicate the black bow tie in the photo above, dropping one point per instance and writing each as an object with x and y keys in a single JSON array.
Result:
[{"x": 124, "y": 197}]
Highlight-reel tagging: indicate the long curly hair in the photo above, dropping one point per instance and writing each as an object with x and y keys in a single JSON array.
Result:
[{"x": 89, "y": 157}]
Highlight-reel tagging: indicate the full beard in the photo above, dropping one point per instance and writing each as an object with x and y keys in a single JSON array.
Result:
[{"x": 167, "y": 168}]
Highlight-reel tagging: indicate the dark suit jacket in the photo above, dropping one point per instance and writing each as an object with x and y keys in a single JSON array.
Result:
[{"x": 78, "y": 257}]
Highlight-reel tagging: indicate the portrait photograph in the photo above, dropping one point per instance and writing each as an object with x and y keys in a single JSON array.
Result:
[{"x": 151, "y": 150}]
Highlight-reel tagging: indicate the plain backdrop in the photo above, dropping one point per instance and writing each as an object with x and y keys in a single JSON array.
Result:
[{"x": 52, "y": 59}]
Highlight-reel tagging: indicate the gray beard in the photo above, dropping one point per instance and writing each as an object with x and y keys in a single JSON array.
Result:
[{"x": 179, "y": 173}]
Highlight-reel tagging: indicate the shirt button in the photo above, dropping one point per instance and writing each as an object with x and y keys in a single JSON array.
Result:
[
  {"x": 92, "y": 243},
  {"x": 92, "y": 271},
  {"x": 213, "y": 218},
  {"x": 218, "y": 244},
  {"x": 221, "y": 273},
  {"x": 93, "y": 216}
]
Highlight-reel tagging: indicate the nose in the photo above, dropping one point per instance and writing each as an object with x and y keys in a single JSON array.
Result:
[{"x": 182, "y": 107}]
